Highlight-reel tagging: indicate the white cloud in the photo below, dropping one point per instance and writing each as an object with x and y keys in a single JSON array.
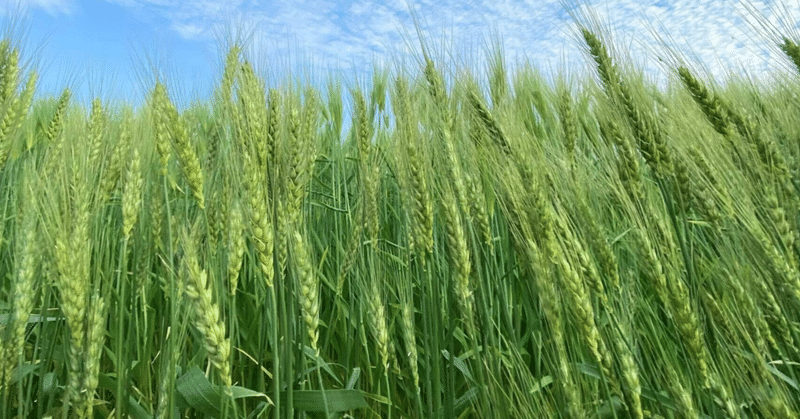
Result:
[
  {"x": 51, "y": 7},
  {"x": 359, "y": 33},
  {"x": 187, "y": 30}
]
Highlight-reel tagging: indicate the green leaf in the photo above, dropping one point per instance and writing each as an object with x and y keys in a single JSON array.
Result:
[
  {"x": 771, "y": 368},
  {"x": 351, "y": 383},
  {"x": 21, "y": 371},
  {"x": 258, "y": 411},
  {"x": 318, "y": 361},
  {"x": 49, "y": 383},
  {"x": 241, "y": 393},
  {"x": 544, "y": 382},
  {"x": 195, "y": 391},
  {"x": 462, "y": 402},
  {"x": 782, "y": 376},
  {"x": 460, "y": 364},
  {"x": 135, "y": 410},
  {"x": 612, "y": 408},
  {"x": 337, "y": 400},
  {"x": 468, "y": 397}
]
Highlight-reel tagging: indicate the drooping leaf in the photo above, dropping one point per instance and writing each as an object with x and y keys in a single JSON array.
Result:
[
  {"x": 337, "y": 400},
  {"x": 196, "y": 392},
  {"x": 135, "y": 410},
  {"x": 459, "y": 363},
  {"x": 351, "y": 383}
]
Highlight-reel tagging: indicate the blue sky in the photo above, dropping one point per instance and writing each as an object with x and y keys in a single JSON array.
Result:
[{"x": 108, "y": 48}]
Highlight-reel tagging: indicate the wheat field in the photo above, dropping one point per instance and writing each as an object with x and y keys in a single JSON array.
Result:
[{"x": 464, "y": 246}]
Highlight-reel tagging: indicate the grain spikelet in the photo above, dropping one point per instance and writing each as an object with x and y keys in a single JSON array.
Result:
[
  {"x": 459, "y": 257},
  {"x": 708, "y": 102},
  {"x": 159, "y": 107},
  {"x": 236, "y": 246},
  {"x": 488, "y": 123},
  {"x": 54, "y": 128},
  {"x": 363, "y": 128},
  {"x": 681, "y": 396},
  {"x": 25, "y": 101},
  {"x": 409, "y": 336},
  {"x": 301, "y": 155},
  {"x": 112, "y": 173},
  {"x": 309, "y": 288},
  {"x": 551, "y": 304},
  {"x": 600, "y": 246},
  {"x": 351, "y": 254},
  {"x": 25, "y": 281},
  {"x": 445, "y": 130},
  {"x": 96, "y": 128},
  {"x": 95, "y": 340},
  {"x": 255, "y": 114},
  {"x": 7, "y": 124},
  {"x": 260, "y": 219},
  {"x": 229, "y": 74},
  {"x": 132, "y": 195},
  {"x": 478, "y": 207},
  {"x": 206, "y": 313},
  {"x": 53, "y": 158},
  {"x": 10, "y": 72},
  {"x": 723, "y": 399},
  {"x": 622, "y": 337},
  {"x": 569, "y": 123},
  {"x": 73, "y": 258},
  {"x": 582, "y": 308},
  {"x": 779, "y": 320},
  {"x": 187, "y": 156},
  {"x": 273, "y": 126},
  {"x": 536, "y": 261},
  {"x": 675, "y": 298},
  {"x": 628, "y": 163},
  {"x": 646, "y": 131},
  {"x": 574, "y": 246},
  {"x": 377, "y": 320},
  {"x": 419, "y": 194},
  {"x": 369, "y": 169}
]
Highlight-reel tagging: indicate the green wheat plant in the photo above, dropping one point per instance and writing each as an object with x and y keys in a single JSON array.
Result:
[{"x": 432, "y": 242}]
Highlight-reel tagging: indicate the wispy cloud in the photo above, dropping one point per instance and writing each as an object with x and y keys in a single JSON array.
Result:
[
  {"x": 713, "y": 33},
  {"x": 353, "y": 35},
  {"x": 51, "y": 7},
  {"x": 360, "y": 33}
]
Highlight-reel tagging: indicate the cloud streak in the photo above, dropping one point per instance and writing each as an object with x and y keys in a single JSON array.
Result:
[
  {"x": 51, "y": 7},
  {"x": 354, "y": 35}
]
